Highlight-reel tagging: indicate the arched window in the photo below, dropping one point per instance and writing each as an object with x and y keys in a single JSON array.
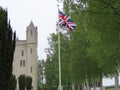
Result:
[
  {"x": 22, "y": 62},
  {"x": 31, "y": 50},
  {"x": 22, "y": 53},
  {"x": 31, "y": 32},
  {"x": 31, "y": 69}
]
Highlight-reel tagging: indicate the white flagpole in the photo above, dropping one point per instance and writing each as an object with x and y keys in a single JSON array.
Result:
[
  {"x": 58, "y": 29},
  {"x": 59, "y": 58},
  {"x": 60, "y": 87},
  {"x": 59, "y": 55}
]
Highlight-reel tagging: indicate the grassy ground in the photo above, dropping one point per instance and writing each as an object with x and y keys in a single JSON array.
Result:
[{"x": 110, "y": 88}]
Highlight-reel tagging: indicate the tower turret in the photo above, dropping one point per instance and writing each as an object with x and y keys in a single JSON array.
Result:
[
  {"x": 31, "y": 33},
  {"x": 32, "y": 53},
  {"x": 25, "y": 56}
]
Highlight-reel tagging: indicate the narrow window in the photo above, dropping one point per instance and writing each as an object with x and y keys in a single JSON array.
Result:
[
  {"x": 31, "y": 69},
  {"x": 31, "y": 51},
  {"x": 22, "y": 53},
  {"x": 20, "y": 62},
  {"x": 31, "y": 32},
  {"x": 23, "y": 63}
]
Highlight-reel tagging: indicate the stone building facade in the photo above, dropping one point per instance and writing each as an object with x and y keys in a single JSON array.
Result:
[{"x": 25, "y": 56}]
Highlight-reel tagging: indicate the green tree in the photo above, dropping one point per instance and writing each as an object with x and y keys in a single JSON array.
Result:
[
  {"x": 12, "y": 83},
  {"x": 51, "y": 64},
  {"x": 51, "y": 68},
  {"x": 7, "y": 47},
  {"x": 21, "y": 82},
  {"x": 41, "y": 69},
  {"x": 28, "y": 83},
  {"x": 93, "y": 50},
  {"x": 99, "y": 19},
  {"x": 82, "y": 67}
]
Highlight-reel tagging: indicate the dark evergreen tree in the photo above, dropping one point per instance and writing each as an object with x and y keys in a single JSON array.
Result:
[
  {"x": 7, "y": 47},
  {"x": 28, "y": 83},
  {"x": 21, "y": 80},
  {"x": 12, "y": 83}
]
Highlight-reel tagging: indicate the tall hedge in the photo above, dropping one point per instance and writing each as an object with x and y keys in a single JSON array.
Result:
[
  {"x": 21, "y": 81},
  {"x": 7, "y": 47},
  {"x": 28, "y": 83},
  {"x": 12, "y": 83}
]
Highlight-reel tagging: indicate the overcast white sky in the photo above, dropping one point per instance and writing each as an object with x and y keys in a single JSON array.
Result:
[{"x": 43, "y": 13}]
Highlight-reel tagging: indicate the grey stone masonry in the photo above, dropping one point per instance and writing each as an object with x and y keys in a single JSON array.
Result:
[{"x": 25, "y": 56}]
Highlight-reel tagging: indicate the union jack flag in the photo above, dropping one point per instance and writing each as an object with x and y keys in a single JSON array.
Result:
[
  {"x": 70, "y": 24},
  {"x": 64, "y": 20}
]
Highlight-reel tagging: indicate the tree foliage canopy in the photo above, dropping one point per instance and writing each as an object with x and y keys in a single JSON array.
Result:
[
  {"x": 93, "y": 51},
  {"x": 7, "y": 47}
]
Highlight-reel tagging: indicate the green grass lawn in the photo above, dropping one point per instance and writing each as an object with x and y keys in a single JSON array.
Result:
[{"x": 110, "y": 88}]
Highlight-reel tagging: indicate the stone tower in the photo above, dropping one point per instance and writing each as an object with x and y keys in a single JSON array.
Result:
[{"x": 25, "y": 56}]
